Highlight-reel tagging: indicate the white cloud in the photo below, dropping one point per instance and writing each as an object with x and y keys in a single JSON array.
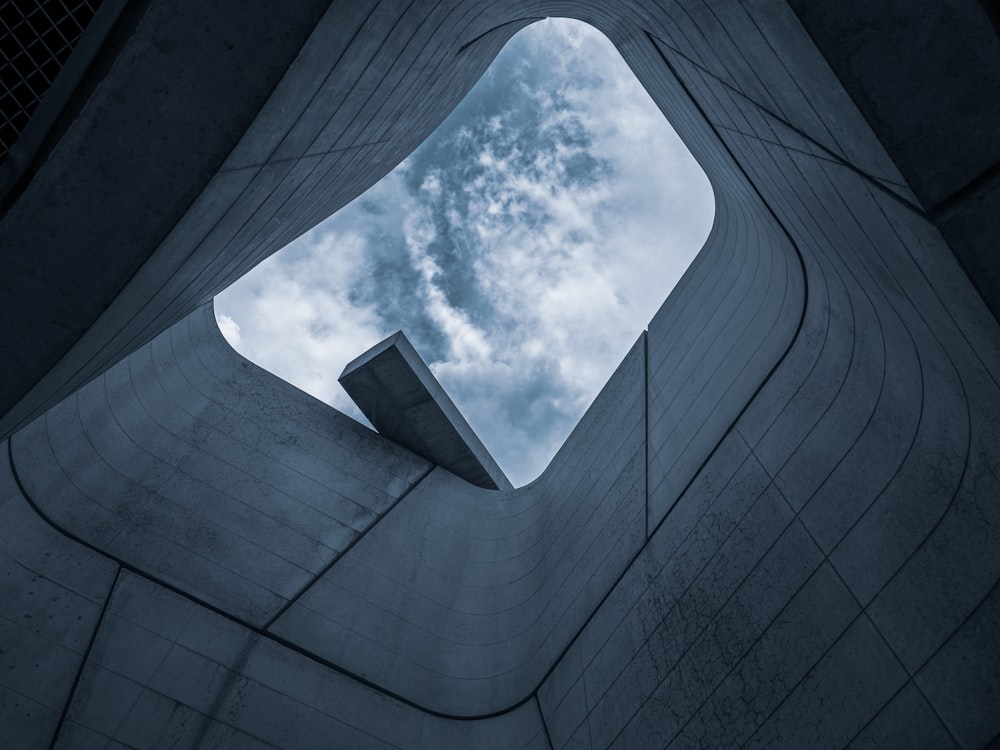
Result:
[
  {"x": 293, "y": 316},
  {"x": 523, "y": 255},
  {"x": 230, "y": 329}
]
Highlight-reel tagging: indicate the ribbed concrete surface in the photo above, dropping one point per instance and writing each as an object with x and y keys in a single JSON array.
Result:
[
  {"x": 54, "y": 592},
  {"x": 192, "y": 464},
  {"x": 463, "y": 598},
  {"x": 366, "y": 87},
  {"x": 164, "y": 670},
  {"x": 816, "y": 563}
]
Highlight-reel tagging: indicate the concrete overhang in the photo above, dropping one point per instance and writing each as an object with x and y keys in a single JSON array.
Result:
[{"x": 397, "y": 392}]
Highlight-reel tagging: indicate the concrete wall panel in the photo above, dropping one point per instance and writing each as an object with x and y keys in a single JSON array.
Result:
[
  {"x": 777, "y": 526},
  {"x": 237, "y": 495},
  {"x": 472, "y": 594},
  {"x": 53, "y": 592},
  {"x": 164, "y": 670}
]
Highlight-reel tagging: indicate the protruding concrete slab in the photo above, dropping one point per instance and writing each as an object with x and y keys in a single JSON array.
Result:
[{"x": 395, "y": 389}]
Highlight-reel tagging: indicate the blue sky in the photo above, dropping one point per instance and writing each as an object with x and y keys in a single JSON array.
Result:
[{"x": 522, "y": 248}]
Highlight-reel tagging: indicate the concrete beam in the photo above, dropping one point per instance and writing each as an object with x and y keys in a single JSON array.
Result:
[{"x": 397, "y": 392}]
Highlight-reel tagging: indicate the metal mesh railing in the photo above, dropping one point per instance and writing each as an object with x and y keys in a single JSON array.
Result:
[{"x": 36, "y": 39}]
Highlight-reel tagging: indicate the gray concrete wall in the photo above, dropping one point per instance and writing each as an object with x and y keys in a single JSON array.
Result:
[
  {"x": 778, "y": 525},
  {"x": 188, "y": 462},
  {"x": 463, "y": 598},
  {"x": 946, "y": 141},
  {"x": 170, "y": 180}
]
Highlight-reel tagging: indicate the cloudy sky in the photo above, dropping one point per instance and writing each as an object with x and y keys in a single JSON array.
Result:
[{"x": 522, "y": 248}]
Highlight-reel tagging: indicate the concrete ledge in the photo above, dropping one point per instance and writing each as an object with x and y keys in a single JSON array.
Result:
[{"x": 400, "y": 396}]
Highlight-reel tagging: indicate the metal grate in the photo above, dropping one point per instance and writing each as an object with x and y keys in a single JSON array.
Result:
[{"x": 36, "y": 39}]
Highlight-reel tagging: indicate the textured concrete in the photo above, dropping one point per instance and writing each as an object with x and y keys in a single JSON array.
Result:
[
  {"x": 400, "y": 396},
  {"x": 462, "y": 598},
  {"x": 312, "y": 120},
  {"x": 165, "y": 672},
  {"x": 205, "y": 471},
  {"x": 947, "y": 141},
  {"x": 54, "y": 592},
  {"x": 794, "y": 542}
]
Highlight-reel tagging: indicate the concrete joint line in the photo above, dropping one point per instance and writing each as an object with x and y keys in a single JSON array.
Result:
[
  {"x": 791, "y": 241},
  {"x": 966, "y": 191},
  {"x": 86, "y": 653},
  {"x": 528, "y": 19},
  {"x": 270, "y": 162},
  {"x": 541, "y": 715},
  {"x": 326, "y": 568},
  {"x": 831, "y": 156}
]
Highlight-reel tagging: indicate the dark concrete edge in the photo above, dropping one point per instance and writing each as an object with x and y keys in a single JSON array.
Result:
[
  {"x": 22, "y": 154},
  {"x": 134, "y": 11},
  {"x": 369, "y": 354},
  {"x": 526, "y": 21}
]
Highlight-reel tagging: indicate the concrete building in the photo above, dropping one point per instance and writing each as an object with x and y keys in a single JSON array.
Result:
[{"x": 777, "y": 526}]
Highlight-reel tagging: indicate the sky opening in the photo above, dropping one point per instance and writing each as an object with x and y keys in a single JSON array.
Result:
[{"x": 522, "y": 248}]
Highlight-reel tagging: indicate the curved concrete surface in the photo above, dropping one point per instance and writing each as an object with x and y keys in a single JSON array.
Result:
[
  {"x": 190, "y": 463},
  {"x": 54, "y": 592},
  {"x": 777, "y": 527},
  {"x": 463, "y": 598},
  {"x": 160, "y": 669}
]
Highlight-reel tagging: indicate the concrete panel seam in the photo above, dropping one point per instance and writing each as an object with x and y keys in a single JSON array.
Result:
[
  {"x": 738, "y": 659},
  {"x": 974, "y": 350},
  {"x": 863, "y": 609},
  {"x": 645, "y": 423},
  {"x": 270, "y": 162},
  {"x": 780, "y": 58},
  {"x": 122, "y": 564},
  {"x": 326, "y": 568},
  {"x": 798, "y": 254},
  {"x": 333, "y": 66},
  {"x": 527, "y": 20},
  {"x": 541, "y": 715},
  {"x": 123, "y": 429},
  {"x": 86, "y": 653},
  {"x": 721, "y": 546},
  {"x": 832, "y": 156},
  {"x": 889, "y": 700},
  {"x": 805, "y": 675},
  {"x": 237, "y": 670},
  {"x": 836, "y": 395},
  {"x": 966, "y": 191},
  {"x": 969, "y": 441},
  {"x": 958, "y": 627}
]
